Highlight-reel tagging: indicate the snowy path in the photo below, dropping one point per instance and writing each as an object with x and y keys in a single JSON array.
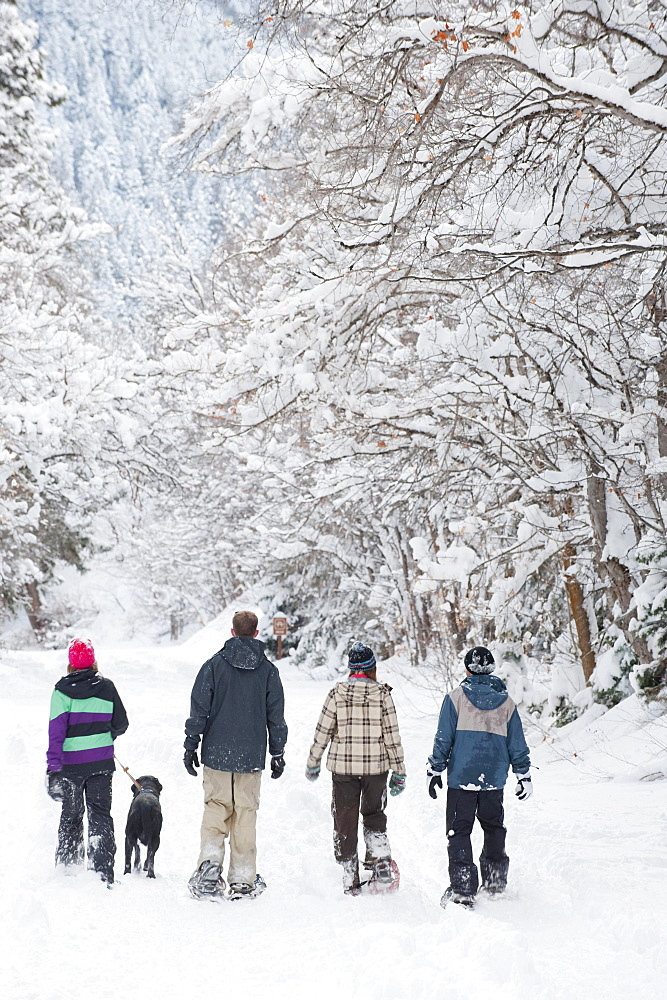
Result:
[{"x": 585, "y": 917}]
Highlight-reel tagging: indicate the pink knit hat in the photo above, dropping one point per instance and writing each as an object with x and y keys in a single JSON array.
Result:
[{"x": 81, "y": 654}]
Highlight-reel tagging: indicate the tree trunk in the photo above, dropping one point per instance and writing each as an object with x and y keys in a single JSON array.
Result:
[
  {"x": 575, "y": 595},
  {"x": 33, "y": 609},
  {"x": 661, "y": 371},
  {"x": 615, "y": 574}
]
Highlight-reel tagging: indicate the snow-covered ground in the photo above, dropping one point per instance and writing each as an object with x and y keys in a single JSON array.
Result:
[{"x": 584, "y": 916}]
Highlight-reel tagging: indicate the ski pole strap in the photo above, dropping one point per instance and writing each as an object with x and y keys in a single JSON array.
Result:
[{"x": 127, "y": 772}]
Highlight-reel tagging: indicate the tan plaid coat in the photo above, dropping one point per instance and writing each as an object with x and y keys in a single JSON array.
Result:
[{"x": 359, "y": 720}]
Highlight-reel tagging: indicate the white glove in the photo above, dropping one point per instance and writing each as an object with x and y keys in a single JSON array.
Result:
[{"x": 524, "y": 788}]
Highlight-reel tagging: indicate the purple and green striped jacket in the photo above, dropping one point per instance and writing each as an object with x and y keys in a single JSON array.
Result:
[{"x": 86, "y": 716}]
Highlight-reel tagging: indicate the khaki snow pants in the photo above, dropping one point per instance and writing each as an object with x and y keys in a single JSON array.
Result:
[{"x": 231, "y": 802}]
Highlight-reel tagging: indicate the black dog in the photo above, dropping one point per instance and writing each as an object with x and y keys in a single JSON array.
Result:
[{"x": 144, "y": 822}]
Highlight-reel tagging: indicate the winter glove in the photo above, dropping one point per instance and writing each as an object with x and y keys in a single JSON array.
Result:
[
  {"x": 434, "y": 781},
  {"x": 54, "y": 785},
  {"x": 396, "y": 783},
  {"x": 191, "y": 761},
  {"x": 277, "y": 765},
  {"x": 524, "y": 788},
  {"x": 313, "y": 773}
]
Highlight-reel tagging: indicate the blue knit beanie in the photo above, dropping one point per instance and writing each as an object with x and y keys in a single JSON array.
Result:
[{"x": 360, "y": 658}]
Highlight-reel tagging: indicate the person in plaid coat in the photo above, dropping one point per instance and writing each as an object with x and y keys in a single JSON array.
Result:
[{"x": 358, "y": 723}]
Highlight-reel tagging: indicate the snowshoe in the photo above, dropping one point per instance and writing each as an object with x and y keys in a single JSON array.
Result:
[
  {"x": 385, "y": 877},
  {"x": 207, "y": 882},
  {"x": 242, "y": 890},
  {"x": 461, "y": 898},
  {"x": 491, "y": 889}
]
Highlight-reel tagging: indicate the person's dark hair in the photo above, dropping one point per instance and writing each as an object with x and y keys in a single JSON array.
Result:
[{"x": 244, "y": 623}]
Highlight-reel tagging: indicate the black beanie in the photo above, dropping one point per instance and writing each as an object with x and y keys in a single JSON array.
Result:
[
  {"x": 479, "y": 660},
  {"x": 360, "y": 658}
]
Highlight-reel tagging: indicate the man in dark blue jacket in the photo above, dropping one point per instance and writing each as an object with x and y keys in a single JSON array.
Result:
[
  {"x": 237, "y": 697},
  {"x": 479, "y": 736}
]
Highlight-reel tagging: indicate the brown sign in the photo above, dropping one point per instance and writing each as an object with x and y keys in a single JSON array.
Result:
[{"x": 280, "y": 626}]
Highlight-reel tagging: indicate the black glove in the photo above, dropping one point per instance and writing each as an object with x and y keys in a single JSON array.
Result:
[
  {"x": 277, "y": 765},
  {"x": 191, "y": 761},
  {"x": 434, "y": 780},
  {"x": 54, "y": 785}
]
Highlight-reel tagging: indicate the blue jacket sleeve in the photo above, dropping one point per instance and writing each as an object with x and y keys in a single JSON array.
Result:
[
  {"x": 201, "y": 700},
  {"x": 275, "y": 713},
  {"x": 516, "y": 745},
  {"x": 444, "y": 737}
]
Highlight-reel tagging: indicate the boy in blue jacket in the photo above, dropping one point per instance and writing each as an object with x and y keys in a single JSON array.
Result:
[{"x": 479, "y": 735}]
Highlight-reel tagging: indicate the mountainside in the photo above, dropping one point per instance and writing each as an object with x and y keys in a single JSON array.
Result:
[{"x": 128, "y": 70}]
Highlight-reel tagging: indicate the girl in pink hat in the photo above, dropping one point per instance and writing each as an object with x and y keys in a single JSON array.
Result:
[{"x": 86, "y": 717}]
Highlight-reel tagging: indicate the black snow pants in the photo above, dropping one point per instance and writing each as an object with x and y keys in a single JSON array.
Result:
[
  {"x": 96, "y": 788},
  {"x": 353, "y": 795},
  {"x": 462, "y": 807}
]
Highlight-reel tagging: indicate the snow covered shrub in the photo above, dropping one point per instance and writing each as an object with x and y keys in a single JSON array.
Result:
[
  {"x": 610, "y": 681},
  {"x": 651, "y": 599}
]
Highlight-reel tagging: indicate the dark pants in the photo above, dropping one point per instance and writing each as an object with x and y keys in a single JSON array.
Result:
[
  {"x": 462, "y": 807},
  {"x": 351, "y": 795},
  {"x": 101, "y": 842}
]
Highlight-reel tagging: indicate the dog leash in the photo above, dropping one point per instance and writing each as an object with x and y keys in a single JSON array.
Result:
[{"x": 127, "y": 772}]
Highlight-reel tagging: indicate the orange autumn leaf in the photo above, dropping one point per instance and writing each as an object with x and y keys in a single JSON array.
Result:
[
  {"x": 516, "y": 15},
  {"x": 251, "y": 44},
  {"x": 465, "y": 46},
  {"x": 382, "y": 444},
  {"x": 418, "y": 117}
]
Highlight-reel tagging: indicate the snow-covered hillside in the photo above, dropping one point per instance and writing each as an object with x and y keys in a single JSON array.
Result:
[
  {"x": 129, "y": 69},
  {"x": 583, "y": 916}
]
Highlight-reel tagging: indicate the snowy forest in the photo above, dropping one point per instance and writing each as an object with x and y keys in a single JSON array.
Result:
[{"x": 356, "y": 307}]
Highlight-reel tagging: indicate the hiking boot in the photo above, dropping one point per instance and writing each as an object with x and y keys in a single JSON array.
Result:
[{"x": 207, "y": 882}]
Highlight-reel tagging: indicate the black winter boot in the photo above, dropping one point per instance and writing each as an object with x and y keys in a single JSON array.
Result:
[{"x": 494, "y": 874}]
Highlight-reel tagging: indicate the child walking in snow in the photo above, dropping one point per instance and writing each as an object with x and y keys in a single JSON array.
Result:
[
  {"x": 86, "y": 717},
  {"x": 359, "y": 721},
  {"x": 479, "y": 735}
]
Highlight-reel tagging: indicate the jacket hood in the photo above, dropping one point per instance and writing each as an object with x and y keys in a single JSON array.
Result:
[
  {"x": 360, "y": 691},
  {"x": 79, "y": 683},
  {"x": 244, "y": 653},
  {"x": 485, "y": 691}
]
